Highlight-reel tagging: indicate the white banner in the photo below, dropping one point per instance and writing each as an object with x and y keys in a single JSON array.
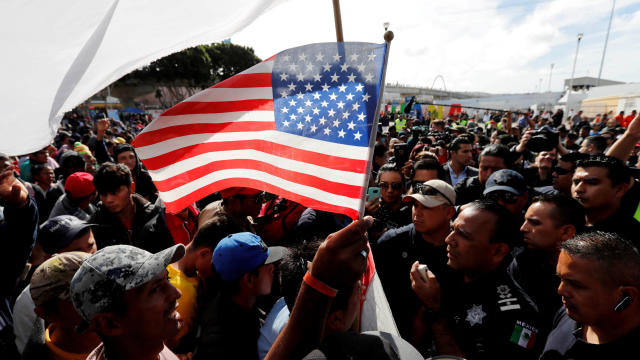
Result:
[{"x": 56, "y": 54}]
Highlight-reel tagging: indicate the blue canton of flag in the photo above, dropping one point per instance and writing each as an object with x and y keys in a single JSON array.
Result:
[{"x": 328, "y": 91}]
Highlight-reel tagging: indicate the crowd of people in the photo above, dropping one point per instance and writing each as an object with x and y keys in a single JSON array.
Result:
[{"x": 494, "y": 235}]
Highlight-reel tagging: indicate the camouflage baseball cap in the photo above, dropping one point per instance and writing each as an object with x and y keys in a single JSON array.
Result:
[
  {"x": 51, "y": 279},
  {"x": 107, "y": 274}
]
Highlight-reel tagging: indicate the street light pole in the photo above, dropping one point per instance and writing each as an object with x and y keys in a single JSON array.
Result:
[
  {"x": 573, "y": 72},
  {"x": 606, "y": 40},
  {"x": 550, "y": 70}
]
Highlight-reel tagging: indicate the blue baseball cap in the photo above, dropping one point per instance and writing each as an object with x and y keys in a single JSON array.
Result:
[
  {"x": 240, "y": 253},
  {"x": 506, "y": 180}
]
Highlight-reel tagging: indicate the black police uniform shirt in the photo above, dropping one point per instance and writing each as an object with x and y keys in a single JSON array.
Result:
[
  {"x": 468, "y": 190},
  {"x": 393, "y": 218},
  {"x": 394, "y": 254},
  {"x": 622, "y": 224},
  {"x": 492, "y": 318},
  {"x": 565, "y": 342},
  {"x": 538, "y": 279}
]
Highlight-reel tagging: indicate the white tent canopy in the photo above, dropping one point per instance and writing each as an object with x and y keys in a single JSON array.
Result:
[{"x": 56, "y": 54}]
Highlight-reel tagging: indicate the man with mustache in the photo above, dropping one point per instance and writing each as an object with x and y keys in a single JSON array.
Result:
[
  {"x": 487, "y": 315},
  {"x": 421, "y": 241}
]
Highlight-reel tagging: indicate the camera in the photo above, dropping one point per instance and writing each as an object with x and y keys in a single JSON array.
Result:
[
  {"x": 401, "y": 154},
  {"x": 543, "y": 139}
]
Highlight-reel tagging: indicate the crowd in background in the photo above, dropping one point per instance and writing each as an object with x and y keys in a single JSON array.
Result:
[{"x": 527, "y": 223}]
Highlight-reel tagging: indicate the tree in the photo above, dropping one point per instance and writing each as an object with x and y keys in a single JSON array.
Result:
[{"x": 184, "y": 73}]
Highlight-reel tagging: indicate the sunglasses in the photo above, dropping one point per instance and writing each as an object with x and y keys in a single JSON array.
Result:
[
  {"x": 394, "y": 185},
  {"x": 428, "y": 190},
  {"x": 505, "y": 196},
  {"x": 561, "y": 170}
]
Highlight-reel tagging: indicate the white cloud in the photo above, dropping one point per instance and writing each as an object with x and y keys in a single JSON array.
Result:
[{"x": 476, "y": 45}]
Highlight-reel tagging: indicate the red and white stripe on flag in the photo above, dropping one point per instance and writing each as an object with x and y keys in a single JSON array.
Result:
[{"x": 226, "y": 136}]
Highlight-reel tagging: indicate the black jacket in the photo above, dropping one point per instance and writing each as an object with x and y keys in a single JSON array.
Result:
[
  {"x": 149, "y": 229},
  {"x": 468, "y": 190},
  {"x": 469, "y": 171}
]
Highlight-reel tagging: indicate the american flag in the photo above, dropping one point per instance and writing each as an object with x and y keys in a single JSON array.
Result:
[{"x": 297, "y": 124}]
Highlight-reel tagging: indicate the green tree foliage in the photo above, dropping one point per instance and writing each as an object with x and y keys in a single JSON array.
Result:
[{"x": 188, "y": 71}]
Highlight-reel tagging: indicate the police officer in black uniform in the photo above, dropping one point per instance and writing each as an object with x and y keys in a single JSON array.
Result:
[
  {"x": 487, "y": 316},
  {"x": 423, "y": 241}
]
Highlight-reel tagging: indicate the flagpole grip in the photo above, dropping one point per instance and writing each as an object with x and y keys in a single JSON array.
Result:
[
  {"x": 388, "y": 37},
  {"x": 338, "y": 20}
]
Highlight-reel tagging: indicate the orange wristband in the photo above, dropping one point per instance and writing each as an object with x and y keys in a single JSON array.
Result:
[{"x": 319, "y": 285}]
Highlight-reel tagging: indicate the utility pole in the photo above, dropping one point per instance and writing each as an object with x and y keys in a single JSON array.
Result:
[
  {"x": 573, "y": 72},
  {"x": 550, "y": 71},
  {"x": 606, "y": 40}
]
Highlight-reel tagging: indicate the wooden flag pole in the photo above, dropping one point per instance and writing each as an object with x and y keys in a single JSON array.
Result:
[
  {"x": 388, "y": 37},
  {"x": 338, "y": 19}
]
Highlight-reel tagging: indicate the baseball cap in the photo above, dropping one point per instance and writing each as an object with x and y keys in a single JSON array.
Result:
[
  {"x": 122, "y": 147},
  {"x": 60, "y": 231},
  {"x": 229, "y": 192},
  {"x": 80, "y": 184},
  {"x": 432, "y": 193},
  {"x": 52, "y": 278},
  {"x": 507, "y": 180},
  {"x": 374, "y": 345},
  {"x": 240, "y": 253},
  {"x": 111, "y": 271}
]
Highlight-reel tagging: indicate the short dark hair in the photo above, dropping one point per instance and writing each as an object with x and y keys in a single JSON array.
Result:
[
  {"x": 573, "y": 158},
  {"x": 110, "y": 177},
  {"x": 618, "y": 257},
  {"x": 498, "y": 150},
  {"x": 36, "y": 169},
  {"x": 387, "y": 168},
  {"x": 292, "y": 268},
  {"x": 457, "y": 143},
  {"x": 567, "y": 210},
  {"x": 213, "y": 230},
  {"x": 379, "y": 149},
  {"x": 506, "y": 228},
  {"x": 618, "y": 172},
  {"x": 506, "y": 139},
  {"x": 429, "y": 164},
  {"x": 598, "y": 141},
  {"x": 572, "y": 135}
]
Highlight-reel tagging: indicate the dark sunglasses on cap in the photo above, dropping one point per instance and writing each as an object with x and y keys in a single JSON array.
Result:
[
  {"x": 427, "y": 190},
  {"x": 394, "y": 185},
  {"x": 505, "y": 196},
  {"x": 561, "y": 170}
]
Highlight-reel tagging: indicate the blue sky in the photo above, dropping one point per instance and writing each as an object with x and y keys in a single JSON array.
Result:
[{"x": 476, "y": 45}]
